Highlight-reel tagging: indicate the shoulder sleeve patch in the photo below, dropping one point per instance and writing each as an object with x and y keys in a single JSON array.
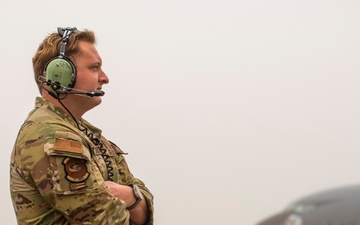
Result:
[{"x": 66, "y": 145}]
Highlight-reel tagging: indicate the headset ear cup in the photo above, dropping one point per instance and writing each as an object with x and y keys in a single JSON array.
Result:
[{"x": 61, "y": 71}]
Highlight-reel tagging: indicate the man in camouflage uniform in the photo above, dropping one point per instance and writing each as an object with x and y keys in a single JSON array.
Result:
[{"x": 63, "y": 171}]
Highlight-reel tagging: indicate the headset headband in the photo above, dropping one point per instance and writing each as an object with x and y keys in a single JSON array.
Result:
[{"x": 65, "y": 34}]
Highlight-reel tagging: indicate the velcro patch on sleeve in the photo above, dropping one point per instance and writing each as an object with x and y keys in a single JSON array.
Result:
[
  {"x": 66, "y": 145},
  {"x": 76, "y": 171}
]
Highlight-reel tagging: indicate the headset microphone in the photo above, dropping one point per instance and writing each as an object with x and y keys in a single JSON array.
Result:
[
  {"x": 97, "y": 93},
  {"x": 87, "y": 93}
]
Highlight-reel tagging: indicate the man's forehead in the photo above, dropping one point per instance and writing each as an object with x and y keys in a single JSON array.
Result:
[
  {"x": 85, "y": 46},
  {"x": 87, "y": 49}
]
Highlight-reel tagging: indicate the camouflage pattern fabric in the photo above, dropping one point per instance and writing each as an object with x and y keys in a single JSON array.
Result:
[{"x": 57, "y": 174}]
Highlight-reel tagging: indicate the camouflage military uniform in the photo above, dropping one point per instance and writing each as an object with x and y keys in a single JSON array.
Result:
[{"x": 57, "y": 174}]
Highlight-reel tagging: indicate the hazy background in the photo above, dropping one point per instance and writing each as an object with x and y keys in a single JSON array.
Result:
[{"x": 229, "y": 109}]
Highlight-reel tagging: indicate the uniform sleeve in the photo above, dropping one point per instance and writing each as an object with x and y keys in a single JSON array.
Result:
[
  {"x": 127, "y": 178},
  {"x": 70, "y": 183},
  {"x": 148, "y": 196}
]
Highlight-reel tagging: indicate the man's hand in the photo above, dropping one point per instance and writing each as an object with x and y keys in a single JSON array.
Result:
[
  {"x": 139, "y": 214},
  {"x": 122, "y": 192}
]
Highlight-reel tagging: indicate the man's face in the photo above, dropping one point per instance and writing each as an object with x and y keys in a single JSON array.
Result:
[{"x": 90, "y": 76}]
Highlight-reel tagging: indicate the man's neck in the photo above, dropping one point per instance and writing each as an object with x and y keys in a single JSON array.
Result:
[{"x": 65, "y": 102}]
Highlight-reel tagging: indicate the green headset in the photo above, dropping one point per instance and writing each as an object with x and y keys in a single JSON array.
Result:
[{"x": 60, "y": 72}]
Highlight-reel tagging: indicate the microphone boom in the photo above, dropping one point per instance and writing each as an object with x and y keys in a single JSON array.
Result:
[{"x": 89, "y": 94}]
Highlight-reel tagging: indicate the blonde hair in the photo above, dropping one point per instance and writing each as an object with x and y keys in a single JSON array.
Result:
[{"x": 50, "y": 48}]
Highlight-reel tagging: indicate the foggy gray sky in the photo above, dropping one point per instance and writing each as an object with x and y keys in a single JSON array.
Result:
[{"x": 229, "y": 109}]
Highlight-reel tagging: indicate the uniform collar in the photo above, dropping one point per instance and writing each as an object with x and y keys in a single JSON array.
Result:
[{"x": 45, "y": 104}]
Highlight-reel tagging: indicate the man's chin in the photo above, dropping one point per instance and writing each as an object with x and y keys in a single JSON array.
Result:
[{"x": 91, "y": 103}]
